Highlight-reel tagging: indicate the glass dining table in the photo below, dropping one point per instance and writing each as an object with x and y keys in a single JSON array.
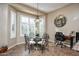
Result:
[{"x": 35, "y": 42}]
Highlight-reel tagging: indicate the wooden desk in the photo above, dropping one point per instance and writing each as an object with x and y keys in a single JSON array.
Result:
[{"x": 71, "y": 40}]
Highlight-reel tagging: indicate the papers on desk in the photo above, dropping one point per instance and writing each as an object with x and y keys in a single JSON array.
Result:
[{"x": 76, "y": 46}]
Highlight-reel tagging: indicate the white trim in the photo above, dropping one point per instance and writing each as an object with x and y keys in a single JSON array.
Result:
[
  {"x": 20, "y": 43},
  {"x": 15, "y": 45},
  {"x": 11, "y": 46}
]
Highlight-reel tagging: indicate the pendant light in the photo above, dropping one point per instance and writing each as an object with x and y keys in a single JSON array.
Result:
[
  {"x": 37, "y": 20},
  {"x": 37, "y": 16}
]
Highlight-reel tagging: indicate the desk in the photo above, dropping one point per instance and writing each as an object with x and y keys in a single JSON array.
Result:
[{"x": 71, "y": 40}]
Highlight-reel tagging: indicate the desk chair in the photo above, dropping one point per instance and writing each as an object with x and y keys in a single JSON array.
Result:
[{"x": 59, "y": 38}]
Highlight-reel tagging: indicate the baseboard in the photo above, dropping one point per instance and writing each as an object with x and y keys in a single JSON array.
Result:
[
  {"x": 20, "y": 43},
  {"x": 15, "y": 45},
  {"x": 51, "y": 41}
]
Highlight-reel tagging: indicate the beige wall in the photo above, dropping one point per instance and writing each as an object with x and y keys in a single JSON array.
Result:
[
  {"x": 3, "y": 24},
  {"x": 71, "y": 12}
]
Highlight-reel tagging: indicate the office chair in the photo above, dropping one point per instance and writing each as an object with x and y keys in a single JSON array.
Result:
[{"x": 59, "y": 38}]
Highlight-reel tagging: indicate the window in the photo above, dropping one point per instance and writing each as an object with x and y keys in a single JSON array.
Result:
[
  {"x": 24, "y": 25},
  {"x": 32, "y": 27},
  {"x": 12, "y": 24},
  {"x": 42, "y": 26},
  {"x": 27, "y": 25}
]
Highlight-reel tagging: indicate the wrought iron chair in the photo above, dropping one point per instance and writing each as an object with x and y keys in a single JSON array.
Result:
[
  {"x": 44, "y": 42},
  {"x": 46, "y": 37},
  {"x": 28, "y": 43}
]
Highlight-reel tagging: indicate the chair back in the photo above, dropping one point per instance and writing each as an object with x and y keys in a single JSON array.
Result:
[
  {"x": 45, "y": 37},
  {"x": 26, "y": 39},
  {"x": 59, "y": 36}
]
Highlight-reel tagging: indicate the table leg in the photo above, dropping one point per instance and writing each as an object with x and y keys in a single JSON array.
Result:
[
  {"x": 71, "y": 43},
  {"x": 77, "y": 39}
]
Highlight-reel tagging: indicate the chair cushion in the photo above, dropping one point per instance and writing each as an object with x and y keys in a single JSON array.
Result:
[
  {"x": 32, "y": 42},
  {"x": 42, "y": 42}
]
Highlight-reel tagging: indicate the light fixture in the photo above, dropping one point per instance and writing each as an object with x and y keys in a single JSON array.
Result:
[
  {"x": 37, "y": 19},
  {"x": 37, "y": 16}
]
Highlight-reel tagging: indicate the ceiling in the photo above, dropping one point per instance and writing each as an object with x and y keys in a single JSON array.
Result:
[{"x": 46, "y": 7}]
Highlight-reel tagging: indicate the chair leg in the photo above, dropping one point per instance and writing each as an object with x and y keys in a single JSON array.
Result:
[
  {"x": 25, "y": 47},
  {"x": 57, "y": 43},
  {"x": 48, "y": 47},
  {"x": 42, "y": 48},
  {"x": 61, "y": 44},
  {"x": 29, "y": 48}
]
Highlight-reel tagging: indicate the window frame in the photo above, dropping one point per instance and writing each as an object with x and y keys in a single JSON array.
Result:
[{"x": 10, "y": 26}]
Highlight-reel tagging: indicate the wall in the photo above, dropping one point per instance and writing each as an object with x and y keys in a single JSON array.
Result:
[
  {"x": 3, "y": 24},
  {"x": 71, "y": 12}
]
